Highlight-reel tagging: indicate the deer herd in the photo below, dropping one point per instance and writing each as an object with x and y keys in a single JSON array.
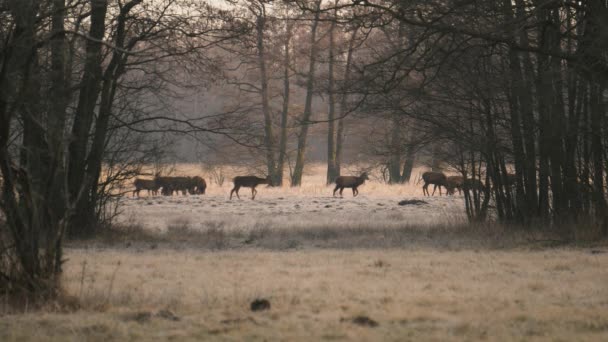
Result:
[
  {"x": 196, "y": 185},
  {"x": 451, "y": 183}
]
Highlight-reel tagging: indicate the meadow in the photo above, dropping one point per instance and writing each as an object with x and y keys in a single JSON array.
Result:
[{"x": 363, "y": 268}]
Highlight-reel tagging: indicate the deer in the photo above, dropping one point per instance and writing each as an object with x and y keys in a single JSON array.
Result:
[
  {"x": 145, "y": 184},
  {"x": 171, "y": 184},
  {"x": 455, "y": 182},
  {"x": 248, "y": 182},
  {"x": 350, "y": 182},
  {"x": 198, "y": 185},
  {"x": 436, "y": 178},
  {"x": 165, "y": 183},
  {"x": 473, "y": 184}
]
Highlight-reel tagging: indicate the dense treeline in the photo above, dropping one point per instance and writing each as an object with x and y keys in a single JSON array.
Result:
[
  {"x": 508, "y": 87},
  {"x": 511, "y": 93}
]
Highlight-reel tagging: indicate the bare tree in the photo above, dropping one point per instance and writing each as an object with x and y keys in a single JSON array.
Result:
[
  {"x": 296, "y": 178},
  {"x": 51, "y": 181}
]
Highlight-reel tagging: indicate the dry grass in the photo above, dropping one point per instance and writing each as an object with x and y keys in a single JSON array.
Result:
[
  {"x": 182, "y": 235},
  {"x": 418, "y": 294},
  {"x": 187, "y": 268}
]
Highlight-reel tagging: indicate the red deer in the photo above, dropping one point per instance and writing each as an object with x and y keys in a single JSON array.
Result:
[
  {"x": 350, "y": 182},
  {"x": 174, "y": 184},
  {"x": 166, "y": 183},
  {"x": 473, "y": 184},
  {"x": 183, "y": 184},
  {"x": 163, "y": 182},
  {"x": 436, "y": 178},
  {"x": 199, "y": 185},
  {"x": 145, "y": 184},
  {"x": 248, "y": 182},
  {"x": 455, "y": 182}
]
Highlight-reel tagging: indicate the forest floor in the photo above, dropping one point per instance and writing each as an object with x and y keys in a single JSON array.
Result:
[{"x": 364, "y": 268}]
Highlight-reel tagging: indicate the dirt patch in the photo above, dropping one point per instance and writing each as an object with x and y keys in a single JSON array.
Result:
[
  {"x": 140, "y": 317},
  {"x": 260, "y": 304},
  {"x": 363, "y": 321},
  {"x": 412, "y": 202}
]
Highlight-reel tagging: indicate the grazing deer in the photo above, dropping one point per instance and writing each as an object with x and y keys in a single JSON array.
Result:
[
  {"x": 473, "y": 184},
  {"x": 166, "y": 183},
  {"x": 183, "y": 184},
  {"x": 172, "y": 184},
  {"x": 436, "y": 178},
  {"x": 199, "y": 185},
  {"x": 190, "y": 185},
  {"x": 248, "y": 182},
  {"x": 145, "y": 184},
  {"x": 455, "y": 182},
  {"x": 350, "y": 182}
]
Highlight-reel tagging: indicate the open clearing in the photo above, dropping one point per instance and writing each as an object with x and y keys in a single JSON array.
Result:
[
  {"x": 311, "y": 205},
  {"x": 360, "y": 268}
]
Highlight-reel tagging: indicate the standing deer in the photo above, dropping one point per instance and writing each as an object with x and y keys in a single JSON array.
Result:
[
  {"x": 436, "y": 178},
  {"x": 455, "y": 182},
  {"x": 350, "y": 182},
  {"x": 145, "y": 184},
  {"x": 248, "y": 182}
]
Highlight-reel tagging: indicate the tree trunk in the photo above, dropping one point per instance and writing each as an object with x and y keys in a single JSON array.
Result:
[
  {"x": 32, "y": 196},
  {"x": 296, "y": 178},
  {"x": 597, "y": 150},
  {"x": 394, "y": 161},
  {"x": 408, "y": 164},
  {"x": 436, "y": 161},
  {"x": 56, "y": 138},
  {"x": 269, "y": 141},
  {"x": 528, "y": 121},
  {"x": 544, "y": 94},
  {"x": 516, "y": 89},
  {"x": 557, "y": 121},
  {"x": 285, "y": 112},
  {"x": 89, "y": 92},
  {"x": 331, "y": 131},
  {"x": 111, "y": 75},
  {"x": 344, "y": 102}
]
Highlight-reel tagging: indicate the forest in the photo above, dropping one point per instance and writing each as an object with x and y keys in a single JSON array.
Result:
[{"x": 511, "y": 93}]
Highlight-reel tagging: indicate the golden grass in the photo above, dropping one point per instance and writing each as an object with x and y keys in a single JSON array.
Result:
[{"x": 419, "y": 294}]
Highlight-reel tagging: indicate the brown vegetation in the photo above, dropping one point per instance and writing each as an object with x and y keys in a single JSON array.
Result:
[{"x": 466, "y": 283}]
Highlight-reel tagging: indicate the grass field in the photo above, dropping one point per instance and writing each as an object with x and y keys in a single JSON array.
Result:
[{"x": 188, "y": 267}]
